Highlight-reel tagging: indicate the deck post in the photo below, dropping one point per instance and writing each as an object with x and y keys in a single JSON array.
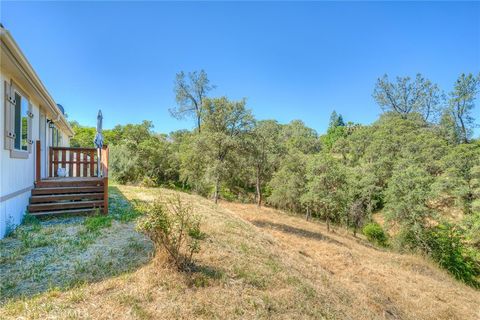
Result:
[
  {"x": 104, "y": 159},
  {"x": 50, "y": 161},
  {"x": 37, "y": 161}
]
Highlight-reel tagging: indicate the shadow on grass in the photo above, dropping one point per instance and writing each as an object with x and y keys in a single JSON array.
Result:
[
  {"x": 63, "y": 252},
  {"x": 203, "y": 276},
  {"x": 296, "y": 231}
]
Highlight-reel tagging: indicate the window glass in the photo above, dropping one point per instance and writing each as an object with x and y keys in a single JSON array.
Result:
[
  {"x": 21, "y": 122},
  {"x": 24, "y": 104},
  {"x": 54, "y": 137}
]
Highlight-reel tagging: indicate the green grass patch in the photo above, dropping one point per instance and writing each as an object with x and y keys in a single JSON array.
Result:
[{"x": 95, "y": 223}]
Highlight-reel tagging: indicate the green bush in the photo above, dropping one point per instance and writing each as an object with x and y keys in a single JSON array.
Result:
[
  {"x": 445, "y": 244},
  {"x": 174, "y": 227},
  {"x": 374, "y": 233}
]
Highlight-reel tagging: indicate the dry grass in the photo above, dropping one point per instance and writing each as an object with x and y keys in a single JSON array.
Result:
[
  {"x": 259, "y": 263},
  {"x": 388, "y": 284}
]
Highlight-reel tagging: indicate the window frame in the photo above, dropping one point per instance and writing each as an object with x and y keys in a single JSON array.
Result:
[{"x": 14, "y": 152}]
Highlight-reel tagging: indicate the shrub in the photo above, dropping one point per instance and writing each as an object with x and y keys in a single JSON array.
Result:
[
  {"x": 446, "y": 248},
  {"x": 374, "y": 233},
  {"x": 174, "y": 227}
]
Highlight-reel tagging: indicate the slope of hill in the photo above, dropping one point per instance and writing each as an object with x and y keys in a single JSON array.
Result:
[{"x": 255, "y": 263}]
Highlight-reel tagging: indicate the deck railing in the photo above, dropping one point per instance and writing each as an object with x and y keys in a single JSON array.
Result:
[{"x": 77, "y": 162}]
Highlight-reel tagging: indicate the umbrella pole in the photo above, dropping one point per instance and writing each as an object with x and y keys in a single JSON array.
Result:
[{"x": 99, "y": 155}]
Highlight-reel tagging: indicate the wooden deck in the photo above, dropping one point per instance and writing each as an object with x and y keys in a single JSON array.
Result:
[{"x": 82, "y": 192}]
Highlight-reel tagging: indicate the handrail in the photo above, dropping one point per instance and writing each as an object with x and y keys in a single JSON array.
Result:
[{"x": 73, "y": 148}]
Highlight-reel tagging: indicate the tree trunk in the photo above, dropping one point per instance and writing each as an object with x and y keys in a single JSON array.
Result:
[
  {"x": 328, "y": 223},
  {"x": 463, "y": 128},
  {"x": 259, "y": 191},
  {"x": 198, "y": 123},
  {"x": 307, "y": 215},
  {"x": 215, "y": 195}
]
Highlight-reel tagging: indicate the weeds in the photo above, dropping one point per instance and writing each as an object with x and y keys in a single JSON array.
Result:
[{"x": 174, "y": 227}]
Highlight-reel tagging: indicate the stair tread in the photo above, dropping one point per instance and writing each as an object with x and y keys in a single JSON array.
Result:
[
  {"x": 63, "y": 203},
  {"x": 66, "y": 190},
  {"x": 66, "y": 187},
  {"x": 63, "y": 183},
  {"x": 66, "y": 195},
  {"x": 65, "y": 211}
]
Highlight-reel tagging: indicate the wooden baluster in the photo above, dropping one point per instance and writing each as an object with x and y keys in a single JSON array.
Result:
[
  {"x": 85, "y": 163},
  {"x": 68, "y": 165},
  {"x": 55, "y": 162},
  {"x": 92, "y": 163},
  {"x": 77, "y": 159},
  {"x": 64, "y": 160}
]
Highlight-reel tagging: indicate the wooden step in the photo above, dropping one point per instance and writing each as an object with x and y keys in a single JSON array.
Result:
[
  {"x": 63, "y": 197},
  {"x": 64, "y": 205},
  {"x": 69, "y": 183},
  {"x": 63, "y": 212},
  {"x": 66, "y": 190}
]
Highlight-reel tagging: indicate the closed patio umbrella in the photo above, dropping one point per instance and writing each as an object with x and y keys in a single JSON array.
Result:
[{"x": 98, "y": 141}]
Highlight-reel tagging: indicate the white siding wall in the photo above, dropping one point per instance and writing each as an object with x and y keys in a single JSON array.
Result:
[
  {"x": 17, "y": 176},
  {"x": 2, "y": 132}
]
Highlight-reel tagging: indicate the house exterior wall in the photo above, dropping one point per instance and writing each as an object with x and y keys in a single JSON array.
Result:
[{"x": 18, "y": 175}]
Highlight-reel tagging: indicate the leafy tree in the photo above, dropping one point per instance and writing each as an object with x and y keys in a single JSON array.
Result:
[
  {"x": 123, "y": 164},
  {"x": 407, "y": 198},
  {"x": 264, "y": 153},
  {"x": 155, "y": 160},
  {"x": 336, "y": 120},
  {"x": 190, "y": 95},
  {"x": 336, "y": 131},
  {"x": 461, "y": 103},
  {"x": 460, "y": 176},
  {"x": 297, "y": 137},
  {"x": 448, "y": 128},
  {"x": 326, "y": 187},
  {"x": 364, "y": 195},
  {"x": 83, "y": 135},
  {"x": 288, "y": 183},
  {"x": 225, "y": 124},
  {"x": 406, "y": 96},
  {"x": 193, "y": 164}
]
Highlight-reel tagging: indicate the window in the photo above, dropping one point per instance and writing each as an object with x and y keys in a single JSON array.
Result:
[
  {"x": 56, "y": 137},
  {"x": 18, "y": 122},
  {"x": 21, "y": 122}
]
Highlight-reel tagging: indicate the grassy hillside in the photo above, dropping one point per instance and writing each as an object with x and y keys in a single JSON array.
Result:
[{"x": 255, "y": 263}]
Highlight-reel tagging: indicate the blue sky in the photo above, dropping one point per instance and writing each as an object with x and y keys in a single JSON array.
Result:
[{"x": 290, "y": 60}]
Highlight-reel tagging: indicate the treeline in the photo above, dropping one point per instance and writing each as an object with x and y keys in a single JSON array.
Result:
[{"x": 416, "y": 169}]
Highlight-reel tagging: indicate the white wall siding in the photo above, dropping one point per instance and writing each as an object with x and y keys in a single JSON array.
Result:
[
  {"x": 12, "y": 211},
  {"x": 17, "y": 175}
]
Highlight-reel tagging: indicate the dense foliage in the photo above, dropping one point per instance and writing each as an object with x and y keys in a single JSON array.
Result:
[{"x": 415, "y": 171}]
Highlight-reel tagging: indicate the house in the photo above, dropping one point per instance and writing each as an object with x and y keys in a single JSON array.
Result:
[{"x": 34, "y": 140}]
